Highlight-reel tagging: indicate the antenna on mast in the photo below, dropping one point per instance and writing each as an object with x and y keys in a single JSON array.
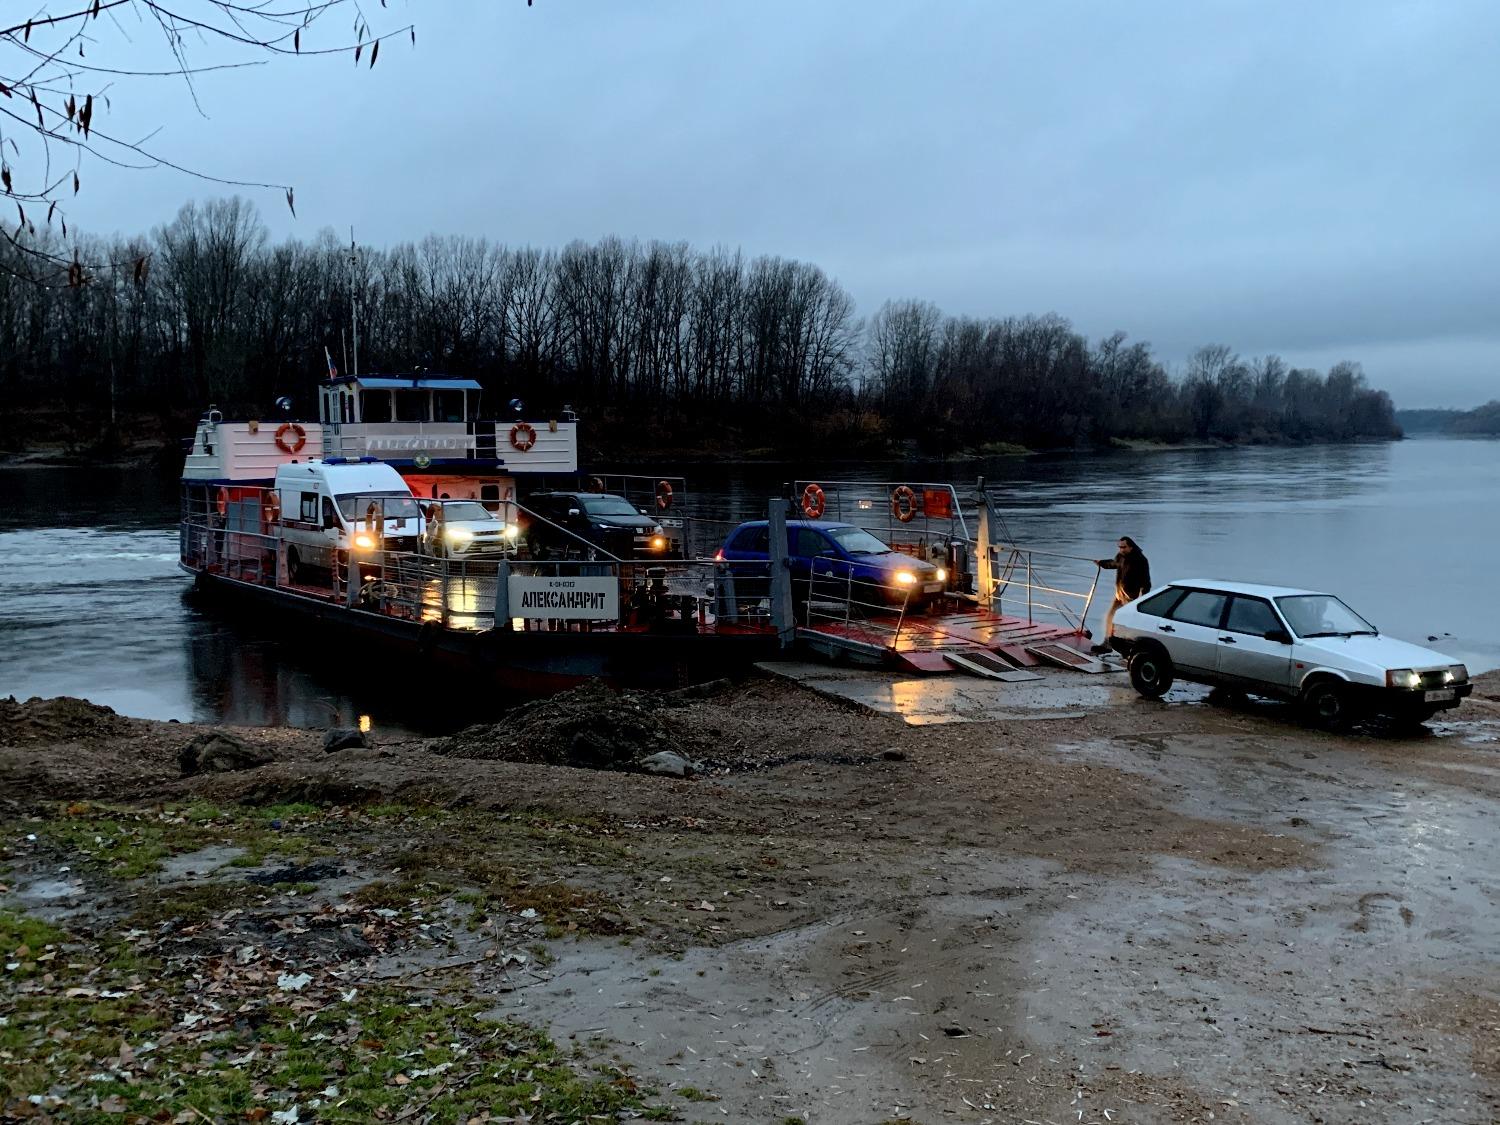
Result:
[{"x": 354, "y": 296}]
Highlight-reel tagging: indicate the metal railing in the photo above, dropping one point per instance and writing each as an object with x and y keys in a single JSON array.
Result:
[{"x": 1053, "y": 588}]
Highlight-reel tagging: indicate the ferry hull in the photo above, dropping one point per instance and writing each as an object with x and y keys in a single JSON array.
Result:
[{"x": 526, "y": 663}]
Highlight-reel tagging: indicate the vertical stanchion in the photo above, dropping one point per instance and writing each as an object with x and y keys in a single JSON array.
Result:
[
  {"x": 782, "y": 617},
  {"x": 351, "y": 581},
  {"x": 983, "y": 574},
  {"x": 502, "y": 595}
]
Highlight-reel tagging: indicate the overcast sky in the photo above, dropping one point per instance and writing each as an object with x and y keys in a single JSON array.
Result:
[{"x": 1320, "y": 179}]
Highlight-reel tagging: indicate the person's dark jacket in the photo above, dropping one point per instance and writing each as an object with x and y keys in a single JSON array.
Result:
[{"x": 1132, "y": 574}]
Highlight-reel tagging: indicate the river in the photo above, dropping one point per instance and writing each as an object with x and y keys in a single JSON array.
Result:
[{"x": 92, "y": 603}]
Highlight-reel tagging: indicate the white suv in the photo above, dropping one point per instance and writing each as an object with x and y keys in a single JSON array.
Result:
[{"x": 1291, "y": 644}]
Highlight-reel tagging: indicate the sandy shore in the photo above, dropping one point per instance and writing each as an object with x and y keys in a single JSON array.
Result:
[{"x": 1147, "y": 913}]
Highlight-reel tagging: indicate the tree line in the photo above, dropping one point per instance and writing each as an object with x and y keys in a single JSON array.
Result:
[
  {"x": 1482, "y": 421},
  {"x": 649, "y": 341}
]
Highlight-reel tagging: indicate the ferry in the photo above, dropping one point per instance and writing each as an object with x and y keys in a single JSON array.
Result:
[{"x": 345, "y": 532}]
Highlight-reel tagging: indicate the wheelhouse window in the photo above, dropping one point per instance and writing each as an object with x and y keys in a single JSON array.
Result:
[
  {"x": 448, "y": 406},
  {"x": 1251, "y": 616},
  {"x": 1199, "y": 607},
  {"x": 375, "y": 406},
  {"x": 412, "y": 406}
]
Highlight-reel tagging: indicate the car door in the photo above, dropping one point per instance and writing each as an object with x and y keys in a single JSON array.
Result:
[
  {"x": 1191, "y": 631},
  {"x": 1246, "y": 654}
]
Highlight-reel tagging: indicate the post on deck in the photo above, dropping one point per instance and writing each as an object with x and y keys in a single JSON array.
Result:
[
  {"x": 502, "y": 595},
  {"x": 351, "y": 580},
  {"x": 983, "y": 574},
  {"x": 782, "y": 616}
]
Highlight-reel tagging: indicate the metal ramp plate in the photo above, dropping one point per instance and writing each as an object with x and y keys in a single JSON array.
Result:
[
  {"x": 1066, "y": 657},
  {"x": 986, "y": 664}
]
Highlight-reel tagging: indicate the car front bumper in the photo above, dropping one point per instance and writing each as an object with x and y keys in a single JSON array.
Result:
[{"x": 1416, "y": 701}]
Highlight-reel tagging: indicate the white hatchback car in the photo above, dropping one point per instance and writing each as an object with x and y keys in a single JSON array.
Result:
[{"x": 1291, "y": 644}]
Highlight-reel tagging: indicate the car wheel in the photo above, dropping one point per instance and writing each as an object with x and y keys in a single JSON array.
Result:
[
  {"x": 1327, "y": 706},
  {"x": 294, "y": 567},
  {"x": 1151, "y": 672}
]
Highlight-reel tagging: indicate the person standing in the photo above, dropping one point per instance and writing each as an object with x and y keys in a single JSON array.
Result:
[{"x": 1132, "y": 580}]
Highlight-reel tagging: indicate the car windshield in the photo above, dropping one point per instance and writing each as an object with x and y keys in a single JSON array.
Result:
[
  {"x": 395, "y": 505},
  {"x": 857, "y": 541},
  {"x": 609, "y": 506},
  {"x": 1323, "y": 615},
  {"x": 468, "y": 510}
]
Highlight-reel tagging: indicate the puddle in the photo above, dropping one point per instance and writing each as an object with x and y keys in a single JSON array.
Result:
[{"x": 198, "y": 864}]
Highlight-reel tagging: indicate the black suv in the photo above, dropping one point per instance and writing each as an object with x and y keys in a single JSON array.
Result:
[{"x": 600, "y": 523}]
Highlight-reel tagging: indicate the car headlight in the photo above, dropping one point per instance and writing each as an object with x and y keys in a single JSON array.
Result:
[
  {"x": 905, "y": 578},
  {"x": 942, "y": 575},
  {"x": 658, "y": 544},
  {"x": 1403, "y": 678},
  {"x": 364, "y": 540},
  {"x": 458, "y": 535},
  {"x": 1456, "y": 674},
  {"x": 512, "y": 531}
]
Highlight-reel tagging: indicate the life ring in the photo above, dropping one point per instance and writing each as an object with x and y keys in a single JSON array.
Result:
[
  {"x": 596, "y": 484},
  {"x": 522, "y": 436},
  {"x": 298, "y": 441},
  {"x": 903, "y": 503},
  {"x": 270, "y": 508},
  {"x": 222, "y": 502},
  {"x": 663, "y": 495},
  {"x": 814, "y": 503}
]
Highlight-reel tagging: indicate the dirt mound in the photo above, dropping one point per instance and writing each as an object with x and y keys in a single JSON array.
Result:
[
  {"x": 591, "y": 726},
  {"x": 63, "y": 719}
]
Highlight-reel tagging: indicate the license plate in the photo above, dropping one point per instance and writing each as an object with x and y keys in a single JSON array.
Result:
[
  {"x": 1440, "y": 696},
  {"x": 932, "y": 587}
]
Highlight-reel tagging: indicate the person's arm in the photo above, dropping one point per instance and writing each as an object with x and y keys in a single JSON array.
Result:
[{"x": 1107, "y": 564}]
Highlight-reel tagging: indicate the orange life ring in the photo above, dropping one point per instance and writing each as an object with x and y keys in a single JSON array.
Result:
[
  {"x": 522, "y": 436},
  {"x": 270, "y": 507},
  {"x": 222, "y": 503},
  {"x": 903, "y": 503},
  {"x": 814, "y": 503},
  {"x": 663, "y": 495},
  {"x": 298, "y": 441}
]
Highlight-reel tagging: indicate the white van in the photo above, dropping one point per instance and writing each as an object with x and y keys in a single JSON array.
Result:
[{"x": 329, "y": 506}]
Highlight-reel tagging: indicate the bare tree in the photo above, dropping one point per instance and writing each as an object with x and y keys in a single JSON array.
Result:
[{"x": 62, "y": 69}]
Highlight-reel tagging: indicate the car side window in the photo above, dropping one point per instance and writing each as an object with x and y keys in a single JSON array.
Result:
[
  {"x": 752, "y": 539},
  {"x": 809, "y": 544},
  {"x": 308, "y": 509},
  {"x": 1252, "y": 616},
  {"x": 1160, "y": 604},
  {"x": 330, "y": 516},
  {"x": 1199, "y": 607}
]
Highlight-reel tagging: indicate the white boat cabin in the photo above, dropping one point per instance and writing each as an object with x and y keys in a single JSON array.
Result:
[
  {"x": 426, "y": 426},
  {"x": 432, "y": 418}
]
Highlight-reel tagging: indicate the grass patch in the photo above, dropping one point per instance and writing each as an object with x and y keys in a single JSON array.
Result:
[
  {"x": 349, "y": 1056},
  {"x": 29, "y": 944},
  {"x": 130, "y": 843},
  {"x": 195, "y": 902},
  {"x": 693, "y": 1094}
]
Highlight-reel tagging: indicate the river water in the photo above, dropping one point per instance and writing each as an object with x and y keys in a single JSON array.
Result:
[{"x": 92, "y": 603}]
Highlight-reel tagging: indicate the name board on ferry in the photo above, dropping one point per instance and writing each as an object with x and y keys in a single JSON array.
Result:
[
  {"x": 396, "y": 444},
  {"x": 565, "y": 598}
]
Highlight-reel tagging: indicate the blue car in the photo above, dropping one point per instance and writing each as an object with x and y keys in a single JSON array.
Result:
[{"x": 833, "y": 553}]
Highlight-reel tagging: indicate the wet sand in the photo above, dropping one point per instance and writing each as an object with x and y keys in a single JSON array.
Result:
[{"x": 1138, "y": 912}]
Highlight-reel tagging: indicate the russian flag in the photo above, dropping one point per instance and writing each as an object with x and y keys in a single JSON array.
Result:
[{"x": 333, "y": 371}]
